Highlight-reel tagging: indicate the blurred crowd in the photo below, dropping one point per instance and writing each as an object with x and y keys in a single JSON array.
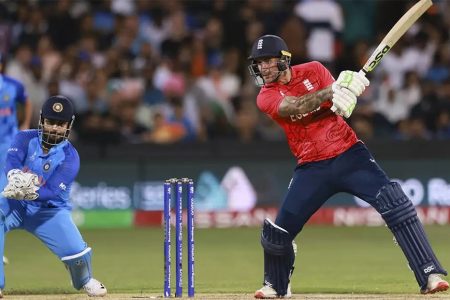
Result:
[{"x": 164, "y": 71}]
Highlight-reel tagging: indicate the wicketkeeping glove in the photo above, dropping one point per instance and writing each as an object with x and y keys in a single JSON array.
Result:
[
  {"x": 21, "y": 185},
  {"x": 344, "y": 101}
]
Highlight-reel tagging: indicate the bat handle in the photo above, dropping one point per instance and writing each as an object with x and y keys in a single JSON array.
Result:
[{"x": 362, "y": 72}]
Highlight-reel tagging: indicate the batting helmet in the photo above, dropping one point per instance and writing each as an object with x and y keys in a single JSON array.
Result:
[
  {"x": 268, "y": 46},
  {"x": 55, "y": 108},
  {"x": 58, "y": 108}
]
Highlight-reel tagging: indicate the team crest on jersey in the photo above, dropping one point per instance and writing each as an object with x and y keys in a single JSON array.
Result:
[
  {"x": 57, "y": 107},
  {"x": 308, "y": 84},
  {"x": 46, "y": 167}
]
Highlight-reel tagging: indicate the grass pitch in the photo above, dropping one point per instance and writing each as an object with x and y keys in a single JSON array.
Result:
[{"x": 333, "y": 263}]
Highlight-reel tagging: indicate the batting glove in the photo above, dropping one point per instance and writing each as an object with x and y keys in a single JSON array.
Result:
[
  {"x": 344, "y": 101},
  {"x": 354, "y": 81}
]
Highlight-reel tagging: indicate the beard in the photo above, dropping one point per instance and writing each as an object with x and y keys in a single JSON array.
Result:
[{"x": 51, "y": 138}]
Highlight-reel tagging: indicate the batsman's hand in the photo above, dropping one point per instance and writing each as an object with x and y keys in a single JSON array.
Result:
[
  {"x": 21, "y": 185},
  {"x": 354, "y": 81},
  {"x": 344, "y": 101}
]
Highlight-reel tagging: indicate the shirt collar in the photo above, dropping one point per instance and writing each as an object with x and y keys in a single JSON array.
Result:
[{"x": 55, "y": 149}]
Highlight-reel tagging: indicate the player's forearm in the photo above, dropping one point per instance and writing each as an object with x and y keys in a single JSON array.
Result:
[
  {"x": 292, "y": 105},
  {"x": 15, "y": 158}
]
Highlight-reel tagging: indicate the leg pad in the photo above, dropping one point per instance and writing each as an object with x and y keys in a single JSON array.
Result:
[
  {"x": 79, "y": 266},
  {"x": 401, "y": 217},
  {"x": 279, "y": 257}
]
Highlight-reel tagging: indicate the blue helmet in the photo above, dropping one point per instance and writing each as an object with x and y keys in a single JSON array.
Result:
[
  {"x": 55, "y": 108},
  {"x": 268, "y": 46}
]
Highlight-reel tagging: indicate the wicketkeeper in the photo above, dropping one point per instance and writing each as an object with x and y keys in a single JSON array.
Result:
[{"x": 41, "y": 166}]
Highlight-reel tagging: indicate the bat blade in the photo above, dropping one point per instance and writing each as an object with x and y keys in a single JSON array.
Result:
[{"x": 396, "y": 32}]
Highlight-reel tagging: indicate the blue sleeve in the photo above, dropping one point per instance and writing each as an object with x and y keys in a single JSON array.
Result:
[
  {"x": 58, "y": 184},
  {"x": 21, "y": 94},
  {"x": 17, "y": 152}
]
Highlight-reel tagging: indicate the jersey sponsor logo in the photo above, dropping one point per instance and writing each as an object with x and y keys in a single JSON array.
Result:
[
  {"x": 260, "y": 44},
  {"x": 308, "y": 84},
  {"x": 13, "y": 149},
  {"x": 62, "y": 186}
]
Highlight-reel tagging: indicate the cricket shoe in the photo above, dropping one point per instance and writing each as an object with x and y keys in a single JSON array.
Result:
[
  {"x": 1, "y": 294},
  {"x": 268, "y": 292},
  {"x": 435, "y": 284},
  {"x": 95, "y": 288}
]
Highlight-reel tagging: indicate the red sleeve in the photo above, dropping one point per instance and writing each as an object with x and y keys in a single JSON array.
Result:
[
  {"x": 268, "y": 101},
  {"x": 325, "y": 77}
]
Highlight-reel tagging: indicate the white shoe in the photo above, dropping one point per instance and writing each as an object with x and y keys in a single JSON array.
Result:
[
  {"x": 267, "y": 292},
  {"x": 1, "y": 294},
  {"x": 435, "y": 284},
  {"x": 5, "y": 260},
  {"x": 95, "y": 288}
]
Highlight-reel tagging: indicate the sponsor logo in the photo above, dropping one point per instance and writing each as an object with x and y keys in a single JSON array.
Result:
[
  {"x": 100, "y": 196},
  {"x": 378, "y": 57},
  {"x": 428, "y": 270},
  {"x": 438, "y": 192},
  {"x": 62, "y": 186}
]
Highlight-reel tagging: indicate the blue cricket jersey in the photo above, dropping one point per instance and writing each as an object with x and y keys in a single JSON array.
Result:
[
  {"x": 56, "y": 169},
  {"x": 11, "y": 93}
]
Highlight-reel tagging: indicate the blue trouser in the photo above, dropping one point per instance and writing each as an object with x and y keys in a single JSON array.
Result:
[
  {"x": 354, "y": 171},
  {"x": 53, "y": 226}
]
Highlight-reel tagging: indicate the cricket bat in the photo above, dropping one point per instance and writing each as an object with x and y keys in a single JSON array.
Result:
[{"x": 399, "y": 29}]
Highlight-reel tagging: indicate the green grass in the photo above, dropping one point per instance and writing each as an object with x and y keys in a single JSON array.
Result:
[{"x": 331, "y": 260}]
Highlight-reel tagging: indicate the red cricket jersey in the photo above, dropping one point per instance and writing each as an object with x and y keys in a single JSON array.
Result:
[{"x": 314, "y": 136}]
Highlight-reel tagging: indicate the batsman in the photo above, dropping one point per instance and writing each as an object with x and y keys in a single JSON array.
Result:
[
  {"x": 310, "y": 106},
  {"x": 41, "y": 165}
]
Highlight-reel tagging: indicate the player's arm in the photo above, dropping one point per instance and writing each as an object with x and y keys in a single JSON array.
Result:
[
  {"x": 17, "y": 152},
  {"x": 28, "y": 111},
  {"x": 291, "y": 105}
]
